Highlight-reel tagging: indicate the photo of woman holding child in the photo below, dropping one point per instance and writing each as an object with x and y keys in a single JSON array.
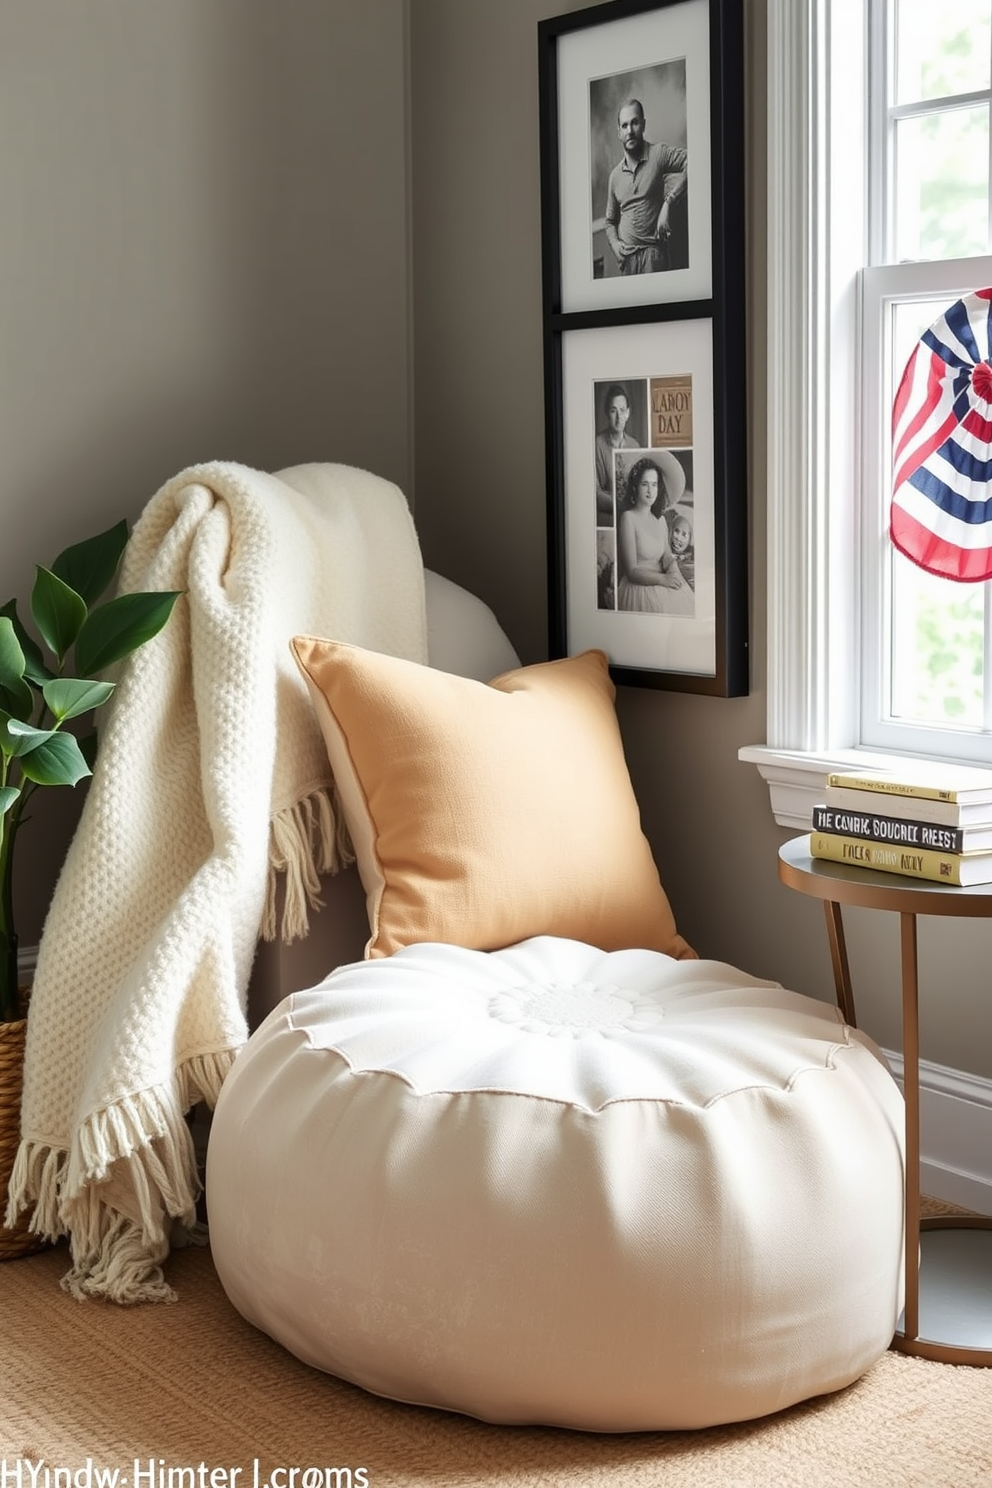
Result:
[{"x": 650, "y": 579}]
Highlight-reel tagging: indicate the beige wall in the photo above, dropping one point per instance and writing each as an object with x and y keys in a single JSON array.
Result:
[
  {"x": 203, "y": 256},
  {"x": 480, "y": 508}
]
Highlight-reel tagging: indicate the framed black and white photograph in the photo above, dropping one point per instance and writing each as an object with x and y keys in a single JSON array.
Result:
[
  {"x": 642, "y": 575},
  {"x": 628, "y": 133},
  {"x": 643, "y": 239}
]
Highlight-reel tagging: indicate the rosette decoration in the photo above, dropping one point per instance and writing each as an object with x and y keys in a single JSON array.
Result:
[{"x": 941, "y": 510}]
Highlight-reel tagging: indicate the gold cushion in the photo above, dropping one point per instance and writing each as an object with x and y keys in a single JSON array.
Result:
[{"x": 483, "y": 814}]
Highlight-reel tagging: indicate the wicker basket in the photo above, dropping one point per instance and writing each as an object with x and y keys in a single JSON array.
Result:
[{"x": 18, "y": 1241}]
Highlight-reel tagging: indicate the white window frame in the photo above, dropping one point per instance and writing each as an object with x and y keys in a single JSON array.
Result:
[{"x": 817, "y": 235}]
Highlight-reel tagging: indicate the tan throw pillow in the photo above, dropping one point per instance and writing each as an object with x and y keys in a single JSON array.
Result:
[{"x": 483, "y": 814}]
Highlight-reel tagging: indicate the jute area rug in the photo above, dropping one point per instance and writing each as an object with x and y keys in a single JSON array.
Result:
[{"x": 88, "y": 1389}]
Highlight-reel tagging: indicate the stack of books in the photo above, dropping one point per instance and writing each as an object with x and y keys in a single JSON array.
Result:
[{"x": 925, "y": 821}]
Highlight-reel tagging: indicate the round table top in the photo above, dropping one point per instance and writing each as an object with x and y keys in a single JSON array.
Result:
[{"x": 870, "y": 888}]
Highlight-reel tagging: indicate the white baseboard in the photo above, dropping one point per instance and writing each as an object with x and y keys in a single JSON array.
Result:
[
  {"x": 955, "y": 1134},
  {"x": 955, "y": 1126}
]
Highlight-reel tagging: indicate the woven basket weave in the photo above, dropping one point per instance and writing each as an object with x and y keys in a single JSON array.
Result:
[{"x": 18, "y": 1241}]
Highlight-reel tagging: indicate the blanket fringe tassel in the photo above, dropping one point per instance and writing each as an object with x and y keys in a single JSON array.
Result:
[
  {"x": 305, "y": 840},
  {"x": 113, "y": 1255}
]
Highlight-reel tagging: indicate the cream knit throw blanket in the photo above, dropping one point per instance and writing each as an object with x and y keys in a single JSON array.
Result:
[{"x": 211, "y": 773}]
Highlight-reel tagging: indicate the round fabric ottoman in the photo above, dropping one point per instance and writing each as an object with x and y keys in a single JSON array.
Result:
[{"x": 549, "y": 1184}]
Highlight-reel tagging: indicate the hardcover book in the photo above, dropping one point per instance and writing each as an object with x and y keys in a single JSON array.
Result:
[
  {"x": 901, "y": 831},
  {"x": 922, "y": 779},
  {"x": 958, "y": 869},
  {"x": 916, "y": 808}
]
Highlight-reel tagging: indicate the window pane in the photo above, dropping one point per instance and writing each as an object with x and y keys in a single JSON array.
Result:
[
  {"x": 942, "y": 184},
  {"x": 937, "y": 648},
  {"x": 942, "y": 49},
  {"x": 910, "y": 318}
]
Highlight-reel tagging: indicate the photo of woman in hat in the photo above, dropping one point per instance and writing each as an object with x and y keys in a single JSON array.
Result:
[{"x": 649, "y": 580}]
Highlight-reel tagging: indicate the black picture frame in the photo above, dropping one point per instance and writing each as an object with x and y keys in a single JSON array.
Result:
[{"x": 672, "y": 336}]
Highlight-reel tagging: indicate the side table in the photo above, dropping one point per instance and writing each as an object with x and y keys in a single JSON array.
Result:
[{"x": 948, "y": 1311}]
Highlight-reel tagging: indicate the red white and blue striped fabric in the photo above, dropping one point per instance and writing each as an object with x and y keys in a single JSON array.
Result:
[{"x": 941, "y": 512}]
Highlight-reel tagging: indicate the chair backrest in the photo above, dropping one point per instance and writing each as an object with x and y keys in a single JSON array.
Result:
[{"x": 463, "y": 636}]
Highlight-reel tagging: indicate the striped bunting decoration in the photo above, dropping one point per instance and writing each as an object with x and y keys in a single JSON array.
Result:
[{"x": 941, "y": 512}]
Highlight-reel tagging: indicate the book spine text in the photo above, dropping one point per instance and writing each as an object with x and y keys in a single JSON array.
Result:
[
  {"x": 893, "y": 830},
  {"x": 914, "y": 863}
]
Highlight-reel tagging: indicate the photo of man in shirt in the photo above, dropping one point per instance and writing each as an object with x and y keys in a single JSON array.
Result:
[{"x": 641, "y": 215}]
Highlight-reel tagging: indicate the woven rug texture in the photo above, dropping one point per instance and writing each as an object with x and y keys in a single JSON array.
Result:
[{"x": 87, "y": 1388}]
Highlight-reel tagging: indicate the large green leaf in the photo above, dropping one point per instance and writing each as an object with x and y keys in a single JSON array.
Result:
[
  {"x": 8, "y": 795},
  {"x": 58, "y": 761},
  {"x": 35, "y": 668},
  {"x": 18, "y": 737},
  {"x": 11, "y": 653},
  {"x": 88, "y": 567},
  {"x": 58, "y": 611},
  {"x": 116, "y": 629},
  {"x": 16, "y": 696},
  {"x": 67, "y": 697},
  {"x": 23, "y": 737}
]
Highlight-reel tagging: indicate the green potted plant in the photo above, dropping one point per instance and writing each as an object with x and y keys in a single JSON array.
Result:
[{"x": 83, "y": 635}]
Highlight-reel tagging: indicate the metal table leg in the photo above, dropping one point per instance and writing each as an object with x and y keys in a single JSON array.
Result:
[
  {"x": 911, "y": 1093},
  {"x": 839, "y": 962}
]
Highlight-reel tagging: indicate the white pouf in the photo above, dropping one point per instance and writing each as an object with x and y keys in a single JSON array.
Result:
[{"x": 550, "y": 1184}]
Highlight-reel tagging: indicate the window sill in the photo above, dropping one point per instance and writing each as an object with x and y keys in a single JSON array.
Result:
[{"x": 797, "y": 778}]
